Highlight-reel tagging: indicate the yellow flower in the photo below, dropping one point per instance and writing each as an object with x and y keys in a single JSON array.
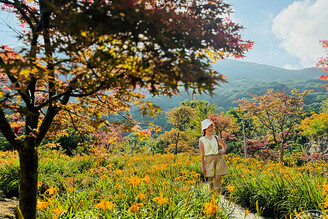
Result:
[
  {"x": 246, "y": 212},
  {"x": 160, "y": 200},
  {"x": 210, "y": 207},
  {"x": 118, "y": 172},
  {"x": 105, "y": 204},
  {"x": 135, "y": 208},
  {"x": 110, "y": 165},
  {"x": 184, "y": 189},
  {"x": 58, "y": 211},
  {"x": 325, "y": 204},
  {"x": 325, "y": 188},
  {"x": 134, "y": 180},
  {"x": 141, "y": 196},
  {"x": 42, "y": 205},
  {"x": 231, "y": 188},
  {"x": 39, "y": 184},
  {"x": 52, "y": 190},
  {"x": 147, "y": 178},
  {"x": 70, "y": 189}
]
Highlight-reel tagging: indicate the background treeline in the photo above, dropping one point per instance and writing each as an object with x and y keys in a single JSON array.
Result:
[
  {"x": 243, "y": 80},
  {"x": 225, "y": 97}
]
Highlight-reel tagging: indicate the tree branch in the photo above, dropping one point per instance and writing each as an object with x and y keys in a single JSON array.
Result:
[
  {"x": 46, "y": 123},
  {"x": 14, "y": 81},
  {"x": 7, "y": 131},
  {"x": 19, "y": 6}
]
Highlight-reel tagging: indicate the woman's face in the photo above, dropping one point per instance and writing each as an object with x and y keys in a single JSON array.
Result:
[{"x": 210, "y": 129}]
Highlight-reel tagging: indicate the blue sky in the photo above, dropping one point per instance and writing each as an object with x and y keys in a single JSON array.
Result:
[{"x": 286, "y": 32}]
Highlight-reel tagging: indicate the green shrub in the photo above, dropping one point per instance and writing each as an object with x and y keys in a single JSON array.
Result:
[
  {"x": 4, "y": 144},
  {"x": 9, "y": 179}
]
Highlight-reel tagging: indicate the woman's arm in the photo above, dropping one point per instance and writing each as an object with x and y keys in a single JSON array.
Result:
[
  {"x": 224, "y": 149},
  {"x": 202, "y": 155}
]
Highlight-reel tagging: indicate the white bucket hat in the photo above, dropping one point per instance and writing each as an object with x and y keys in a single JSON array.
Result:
[{"x": 206, "y": 123}]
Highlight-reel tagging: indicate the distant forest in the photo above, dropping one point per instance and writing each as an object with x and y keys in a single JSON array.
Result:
[{"x": 226, "y": 95}]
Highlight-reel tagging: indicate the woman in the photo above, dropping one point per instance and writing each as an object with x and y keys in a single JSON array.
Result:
[{"x": 212, "y": 156}]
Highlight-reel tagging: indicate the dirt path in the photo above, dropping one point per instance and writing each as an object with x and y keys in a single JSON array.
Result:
[
  {"x": 233, "y": 210},
  {"x": 236, "y": 211},
  {"x": 8, "y": 208}
]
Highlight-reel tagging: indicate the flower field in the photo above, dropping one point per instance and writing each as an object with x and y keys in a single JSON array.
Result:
[
  {"x": 272, "y": 188},
  {"x": 103, "y": 185}
]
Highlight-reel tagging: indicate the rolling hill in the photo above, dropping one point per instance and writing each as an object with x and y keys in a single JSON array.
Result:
[{"x": 239, "y": 70}]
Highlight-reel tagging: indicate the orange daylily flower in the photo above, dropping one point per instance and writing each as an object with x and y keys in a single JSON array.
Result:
[
  {"x": 325, "y": 188},
  {"x": 141, "y": 196},
  {"x": 160, "y": 200},
  {"x": 42, "y": 205},
  {"x": 246, "y": 212},
  {"x": 325, "y": 204},
  {"x": 147, "y": 178},
  {"x": 105, "y": 204},
  {"x": 135, "y": 207},
  {"x": 210, "y": 207},
  {"x": 231, "y": 188},
  {"x": 58, "y": 211},
  {"x": 52, "y": 190},
  {"x": 134, "y": 180}
]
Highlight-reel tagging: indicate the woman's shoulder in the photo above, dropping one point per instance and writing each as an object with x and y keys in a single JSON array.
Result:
[{"x": 202, "y": 138}]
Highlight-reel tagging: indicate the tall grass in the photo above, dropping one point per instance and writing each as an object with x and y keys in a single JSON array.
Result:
[
  {"x": 123, "y": 186},
  {"x": 276, "y": 189},
  {"x": 103, "y": 185}
]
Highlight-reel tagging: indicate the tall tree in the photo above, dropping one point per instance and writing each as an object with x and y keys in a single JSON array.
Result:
[
  {"x": 181, "y": 117},
  {"x": 277, "y": 113},
  {"x": 201, "y": 107},
  {"x": 90, "y": 50}
]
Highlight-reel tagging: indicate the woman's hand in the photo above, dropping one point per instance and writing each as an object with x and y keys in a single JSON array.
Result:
[
  {"x": 204, "y": 171},
  {"x": 221, "y": 151},
  {"x": 220, "y": 142}
]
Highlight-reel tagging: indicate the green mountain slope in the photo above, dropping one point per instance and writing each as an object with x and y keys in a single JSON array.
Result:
[
  {"x": 239, "y": 70},
  {"x": 245, "y": 79}
]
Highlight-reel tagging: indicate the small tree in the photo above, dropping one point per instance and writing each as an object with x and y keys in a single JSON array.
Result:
[
  {"x": 181, "y": 117},
  {"x": 277, "y": 113},
  {"x": 225, "y": 125},
  {"x": 315, "y": 128},
  {"x": 177, "y": 141}
]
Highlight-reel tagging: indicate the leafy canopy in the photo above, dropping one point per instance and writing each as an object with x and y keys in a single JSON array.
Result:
[{"x": 102, "y": 51}]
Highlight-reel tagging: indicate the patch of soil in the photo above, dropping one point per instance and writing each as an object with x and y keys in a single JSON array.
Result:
[{"x": 8, "y": 208}]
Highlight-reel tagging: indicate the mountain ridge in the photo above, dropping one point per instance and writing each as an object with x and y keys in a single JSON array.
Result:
[{"x": 241, "y": 70}]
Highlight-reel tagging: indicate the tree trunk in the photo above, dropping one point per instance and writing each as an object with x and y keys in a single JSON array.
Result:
[
  {"x": 28, "y": 160},
  {"x": 176, "y": 144},
  {"x": 281, "y": 154}
]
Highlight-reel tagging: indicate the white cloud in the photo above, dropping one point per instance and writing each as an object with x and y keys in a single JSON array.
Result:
[
  {"x": 291, "y": 67},
  {"x": 300, "y": 26}
]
